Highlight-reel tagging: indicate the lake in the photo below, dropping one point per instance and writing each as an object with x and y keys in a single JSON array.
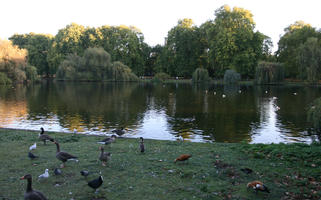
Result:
[{"x": 198, "y": 113}]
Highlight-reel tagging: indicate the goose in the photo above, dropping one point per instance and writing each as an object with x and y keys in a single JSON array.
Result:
[
  {"x": 44, "y": 137},
  {"x": 32, "y": 147},
  {"x": 44, "y": 175},
  {"x": 108, "y": 140},
  {"x": 104, "y": 156},
  {"x": 64, "y": 156},
  {"x": 96, "y": 183},
  {"x": 141, "y": 146},
  {"x": 31, "y": 194},
  {"x": 119, "y": 132}
]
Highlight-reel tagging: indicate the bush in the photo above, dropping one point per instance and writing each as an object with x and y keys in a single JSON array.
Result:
[
  {"x": 200, "y": 75},
  {"x": 231, "y": 77},
  {"x": 269, "y": 72},
  {"x": 31, "y": 73},
  {"x": 160, "y": 77},
  {"x": 122, "y": 72},
  {"x": 4, "y": 80},
  {"x": 314, "y": 114}
]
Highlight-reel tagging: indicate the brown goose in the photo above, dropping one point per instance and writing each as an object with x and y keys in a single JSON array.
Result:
[
  {"x": 108, "y": 140},
  {"x": 104, "y": 156},
  {"x": 64, "y": 156},
  {"x": 30, "y": 193},
  {"x": 44, "y": 137}
]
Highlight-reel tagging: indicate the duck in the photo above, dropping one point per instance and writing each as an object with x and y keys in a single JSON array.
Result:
[
  {"x": 119, "y": 132},
  {"x": 64, "y": 156},
  {"x": 104, "y": 156},
  {"x": 31, "y": 194},
  {"x": 44, "y": 175},
  {"x": 141, "y": 146},
  {"x": 96, "y": 183},
  {"x": 183, "y": 157},
  {"x": 32, "y": 147},
  {"x": 258, "y": 186},
  {"x": 32, "y": 156},
  {"x": 44, "y": 137},
  {"x": 108, "y": 140}
]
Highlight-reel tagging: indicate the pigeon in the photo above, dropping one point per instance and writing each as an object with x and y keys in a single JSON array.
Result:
[
  {"x": 31, "y": 155},
  {"x": 57, "y": 171},
  {"x": 96, "y": 183},
  {"x": 44, "y": 175},
  {"x": 32, "y": 147},
  {"x": 84, "y": 173}
]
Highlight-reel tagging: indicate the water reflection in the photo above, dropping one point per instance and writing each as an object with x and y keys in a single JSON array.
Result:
[{"x": 193, "y": 112}]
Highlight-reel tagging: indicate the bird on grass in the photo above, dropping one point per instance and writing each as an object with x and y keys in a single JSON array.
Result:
[
  {"x": 84, "y": 173},
  {"x": 44, "y": 137},
  {"x": 64, "y": 156},
  {"x": 32, "y": 156},
  {"x": 258, "y": 186},
  {"x": 31, "y": 194},
  {"x": 96, "y": 183},
  {"x": 108, "y": 140},
  {"x": 141, "y": 146},
  {"x": 32, "y": 147},
  {"x": 57, "y": 172},
  {"x": 183, "y": 157},
  {"x": 104, "y": 156},
  {"x": 44, "y": 175},
  {"x": 119, "y": 132},
  {"x": 247, "y": 170}
]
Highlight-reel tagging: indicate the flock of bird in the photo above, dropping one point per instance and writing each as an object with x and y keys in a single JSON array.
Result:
[{"x": 104, "y": 157}]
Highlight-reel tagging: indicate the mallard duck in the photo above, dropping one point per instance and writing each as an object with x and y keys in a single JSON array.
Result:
[
  {"x": 96, "y": 183},
  {"x": 183, "y": 157},
  {"x": 108, "y": 140},
  {"x": 64, "y": 156},
  {"x": 104, "y": 156},
  {"x": 141, "y": 146},
  {"x": 258, "y": 186},
  {"x": 30, "y": 193},
  {"x": 44, "y": 137}
]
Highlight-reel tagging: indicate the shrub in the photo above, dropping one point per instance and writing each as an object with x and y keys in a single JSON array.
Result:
[
  {"x": 31, "y": 73},
  {"x": 314, "y": 114},
  {"x": 269, "y": 72},
  {"x": 122, "y": 72},
  {"x": 160, "y": 77},
  {"x": 4, "y": 80},
  {"x": 231, "y": 77},
  {"x": 200, "y": 75}
]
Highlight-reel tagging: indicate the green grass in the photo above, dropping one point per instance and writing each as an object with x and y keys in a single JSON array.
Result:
[{"x": 213, "y": 172}]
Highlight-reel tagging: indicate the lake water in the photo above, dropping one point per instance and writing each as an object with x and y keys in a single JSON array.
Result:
[{"x": 269, "y": 114}]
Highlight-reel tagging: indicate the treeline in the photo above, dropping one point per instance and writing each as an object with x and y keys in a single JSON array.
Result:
[{"x": 228, "y": 43}]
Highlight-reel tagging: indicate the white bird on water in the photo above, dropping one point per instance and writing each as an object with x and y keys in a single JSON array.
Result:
[
  {"x": 34, "y": 146},
  {"x": 44, "y": 175}
]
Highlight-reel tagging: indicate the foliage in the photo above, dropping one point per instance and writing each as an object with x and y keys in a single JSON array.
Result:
[
  {"x": 13, "y": 63},
  {"x": 231, "y": 77},
  {"x": 37, "y": 46},
  {"x": 4, "y": 80},
  {"x": 121, "y": 72},
  {"x": 31, "y": 73},
  {"x": 288, "y": 46},
  {"x": 309, "y": 59},
  {"x": 268, "y": 72},
  {"x": 200, "y": 75},
  {"x": 160, "y": 77},
  {"x": 314, "y": 114}
]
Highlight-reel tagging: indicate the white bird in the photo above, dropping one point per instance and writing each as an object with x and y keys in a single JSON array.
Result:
[
  {"x": 44, "y": 175},
  {"x": 266, "y": 91},
  {"x": 214, "y": 93},
  {"x": 223, "y": 95},
  {"x": 240, "y": 91},
  {"x": 294, "y": 93},
  {"x": 34, "y": 146}
]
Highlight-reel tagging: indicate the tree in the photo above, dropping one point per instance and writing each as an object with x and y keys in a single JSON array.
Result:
[
  {"x": 309, "y": 59},
  {"x": 288, "y": 46}
]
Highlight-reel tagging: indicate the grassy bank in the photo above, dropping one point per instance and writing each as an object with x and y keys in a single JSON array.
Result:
[{"x": 213, "y": 172}]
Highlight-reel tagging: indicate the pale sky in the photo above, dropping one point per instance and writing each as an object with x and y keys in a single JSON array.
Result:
[{"x": 153, "y": 18}]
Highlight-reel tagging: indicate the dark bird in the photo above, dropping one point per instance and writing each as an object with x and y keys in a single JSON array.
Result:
[
  {"x": 104, "y": 156},
  {"x": 32, "y": 156},
  {"x": 108, "y": 140},
  {"x": 44, "y": 137},
  {"x": 64, "y": 156},
  {"x": 141, "y": 146},
  {"x": 183, "y": 157},
  {"x": 247, "y": 170},
  {"x": 258, "y": 186},
  {"x": 84, "y": 173},
  {"x": 57, "y": 172},
  {"x": 119, "y": 132},
  {"x": 30, "y": 193},
  {"x": 96, "y": 183}
]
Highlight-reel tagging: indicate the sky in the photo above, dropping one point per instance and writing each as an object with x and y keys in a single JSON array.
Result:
[{"x": 153, "y": 18}]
